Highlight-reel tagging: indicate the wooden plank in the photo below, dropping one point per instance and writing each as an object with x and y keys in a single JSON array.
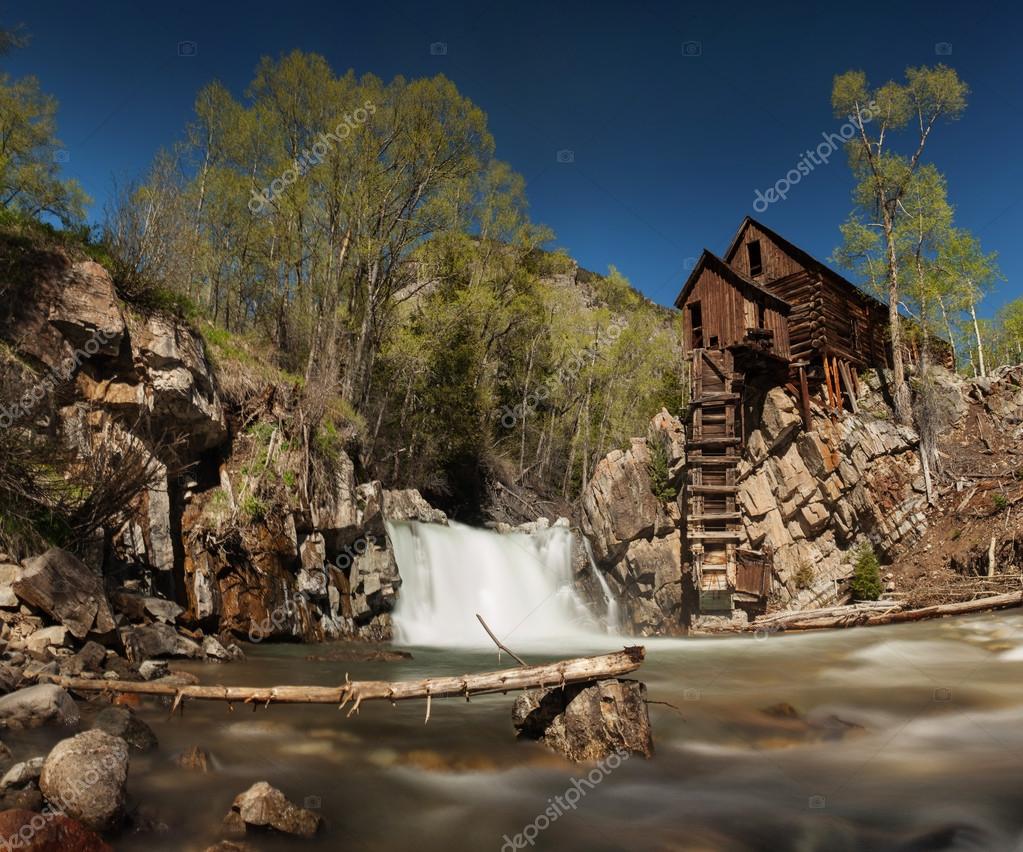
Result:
[
  {"x": 844, "y": 372},
  {"x": 714, "y": 489},
  {"x": 804, "y": 398}
]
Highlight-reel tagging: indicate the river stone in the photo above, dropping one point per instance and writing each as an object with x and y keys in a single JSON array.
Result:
[
  {"x": 22, "y": 774},
  {"x": 122, "y": 722},
  {"x": 48, "y": 637},
  {"x": 52, "y": 832},
  {"x": 263, "y": 806},
  {"x": 63, "y": 587},
  {"x": 38, "y": 705},
  {"x": 587, "y": 721},
  {"x": 157, "y": 640},
  {"x": 85, "y": 776}
]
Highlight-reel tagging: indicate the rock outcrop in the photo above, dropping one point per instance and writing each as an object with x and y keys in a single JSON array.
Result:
[
  {"x": 265, "y": 807},
  {"x": 810, "y": 497},
  {"x": 587, "y": 722},
  {"x": 634, "y": 533}
]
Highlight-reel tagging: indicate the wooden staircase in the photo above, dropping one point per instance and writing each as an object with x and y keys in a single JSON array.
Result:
[{"x": 714, "y": 440}]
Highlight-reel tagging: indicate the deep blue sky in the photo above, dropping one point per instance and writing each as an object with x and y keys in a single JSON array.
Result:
[{"x": 669, "y": 148}]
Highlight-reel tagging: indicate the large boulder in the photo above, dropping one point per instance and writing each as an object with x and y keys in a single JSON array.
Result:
[
  {"x": 29, "y": 831},
  {"x": 122, "y": 722},
  {"x": 618, "y": 505},
  {"x": 587, "y": 721},
  {"x": 63, "y": 587},
  {"x": 85, "y": 777},
  {"x": 265, "y": 807},
  {"x": 45, "y": 703},
  {"x": 157, "y": 640}
]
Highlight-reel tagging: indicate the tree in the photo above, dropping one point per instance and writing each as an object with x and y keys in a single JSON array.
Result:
[
  {"x": 968, "y": 273},
  {"x": 883, "y": 177},
  {"x": 31, "y": 153}
]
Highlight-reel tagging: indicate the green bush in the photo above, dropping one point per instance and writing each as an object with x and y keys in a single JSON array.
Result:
[
  {"x": 1000, "y": 501},
  {"x": 658, "y": 469},
  {"x": 866, "y": 579}
]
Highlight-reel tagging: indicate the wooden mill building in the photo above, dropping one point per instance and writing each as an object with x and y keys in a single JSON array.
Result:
[{"x": 765, "y": 312}]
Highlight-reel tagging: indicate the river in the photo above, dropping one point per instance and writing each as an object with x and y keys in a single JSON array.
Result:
[
  {"x": 941, "y": 751},
  {"x": 908, "y": 737}
]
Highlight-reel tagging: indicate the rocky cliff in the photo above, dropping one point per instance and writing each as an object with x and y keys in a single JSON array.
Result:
[
  {"x": 315, "y": 564},
  {"x": 808, "y": 497}
]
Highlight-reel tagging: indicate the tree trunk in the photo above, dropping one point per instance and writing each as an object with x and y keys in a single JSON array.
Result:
[
  {"x": 980, "y": 345},
  {"x": 900, "y": 390},
  {"x": 578, "y": 670}
]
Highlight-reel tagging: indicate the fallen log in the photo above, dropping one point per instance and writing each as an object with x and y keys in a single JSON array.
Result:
[
  {"x": 811, "y": 621},
  {"x": 578, "y": 670}
]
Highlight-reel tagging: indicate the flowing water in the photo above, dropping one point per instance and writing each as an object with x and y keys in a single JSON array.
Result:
[{"x": 910, "y": 738}]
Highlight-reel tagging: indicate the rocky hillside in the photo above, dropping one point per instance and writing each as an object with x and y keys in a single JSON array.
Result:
[
  {"x": 314, "y": 564},
  {"x": 809, "y": 498}
]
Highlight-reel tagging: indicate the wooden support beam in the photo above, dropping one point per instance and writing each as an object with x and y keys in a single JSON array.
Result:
[{"x": 804, "y": 398}]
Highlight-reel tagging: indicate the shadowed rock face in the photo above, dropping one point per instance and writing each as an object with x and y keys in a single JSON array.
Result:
[
  {"x": 54, "y": 833},
  {"x": 589, "y": 721}
]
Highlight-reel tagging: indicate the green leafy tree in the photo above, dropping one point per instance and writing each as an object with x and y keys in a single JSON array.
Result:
[{"x": 883, "y": 176}]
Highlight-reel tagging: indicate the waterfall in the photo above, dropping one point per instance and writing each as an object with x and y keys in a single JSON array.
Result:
[
  {"x": 612, "y": 617},
  {"x": 521, "y": 584}
]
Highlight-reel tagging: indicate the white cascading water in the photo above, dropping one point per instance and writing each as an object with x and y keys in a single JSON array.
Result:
[{"x": 521, "y": 584}]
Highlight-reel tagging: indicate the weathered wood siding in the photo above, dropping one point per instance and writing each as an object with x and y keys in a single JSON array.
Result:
[
  {"x": 776, "y": 262},
  {"x": 728, "y": 309}
]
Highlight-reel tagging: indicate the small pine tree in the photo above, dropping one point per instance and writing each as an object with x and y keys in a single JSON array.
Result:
[
  {"x": 866, "y": 579},
  {"x": 659, "y": 476}
]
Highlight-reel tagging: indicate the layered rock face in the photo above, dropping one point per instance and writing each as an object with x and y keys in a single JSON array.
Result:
[
  {"x": 812, "y": 496},
  {"x": 633, "y": 533},
  {"x": 807, "y": 497},
  {"x": 320, "y": 568}
]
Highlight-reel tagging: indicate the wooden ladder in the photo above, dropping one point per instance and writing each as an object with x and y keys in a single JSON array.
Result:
[{"x": 714, "y": 441}]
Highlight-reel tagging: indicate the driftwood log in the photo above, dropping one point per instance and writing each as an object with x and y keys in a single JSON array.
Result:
[
  {"x": 578, "y": 670},
  {"x": 855, "y": 616}
]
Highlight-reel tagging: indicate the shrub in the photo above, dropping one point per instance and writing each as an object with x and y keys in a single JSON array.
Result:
[
  {"x": 866, "y": 579},
  {"x": 804, "y": 575},
  {"x": 658, "y": 469},
  {"x": 1000, "y": 501}
]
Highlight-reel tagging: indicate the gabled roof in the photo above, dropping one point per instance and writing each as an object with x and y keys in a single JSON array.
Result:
[
  {"x": 709, "y": 260},
  {"x": 802, "y": 257}
]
